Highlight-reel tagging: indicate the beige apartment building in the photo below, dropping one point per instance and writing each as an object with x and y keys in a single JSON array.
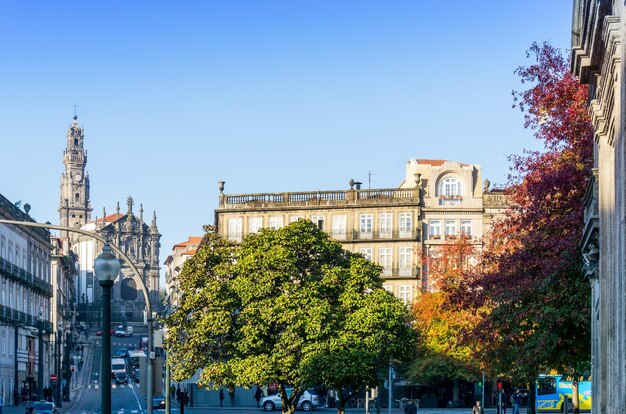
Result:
[
  {"x": 437, "y": 202},
  {"x": 174, "y": 265}
]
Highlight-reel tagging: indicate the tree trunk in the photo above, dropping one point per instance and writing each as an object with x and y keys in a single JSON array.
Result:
[
  {"x": 341, "y": 403},
  {"x": 575, "y": 400},
  {"x": 532, "y": 397}
]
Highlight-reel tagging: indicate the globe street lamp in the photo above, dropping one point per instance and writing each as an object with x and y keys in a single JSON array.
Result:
[
  {"x": 107, "y": 267},
  {"x": 40, "y": 357}
]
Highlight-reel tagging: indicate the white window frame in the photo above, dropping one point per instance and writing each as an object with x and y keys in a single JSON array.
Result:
[
  {"x": 406, "y": 224},
  {"x": 255, "y": 224},
  {"x": 450, "y": 228},
  {"x": 385, "y": 225},
  {"x": 466, "y": 228},
  {"x": 405, "y": 260},
  {"x": 293, "y": 219},
  {"x": 365, "y": 226},
  {"x": 388, "y": 288},
  {"x": 450, "y": 187},
  {"x": 276, "y": 222},
  {"x": 235, "y": 229},
  {"x": 385, "y": 259},
  {"x": 367, "y": 252},
  {"x": 339, "y": 226},
  {"x": 405, "y": 293},
  {"x": 319, "y": 221},
  {"x": 434, "y": 229}
]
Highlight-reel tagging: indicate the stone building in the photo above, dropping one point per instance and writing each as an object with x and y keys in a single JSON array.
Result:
[
  {"x": 138, "y": 240},
  {"x": 438, "y": 201},
  {"x": 598, "y": 59},
  {"x": 174, "y": 265},
  {"x": 25, "y": 292}
]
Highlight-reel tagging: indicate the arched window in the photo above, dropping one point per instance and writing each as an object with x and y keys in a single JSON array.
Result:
[
  {"x": 450, "y": 187},
  {"x": 77, "y": 196},
  {"x": 128, "y": 289}
]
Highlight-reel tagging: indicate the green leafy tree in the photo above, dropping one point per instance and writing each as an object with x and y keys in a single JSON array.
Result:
[{"x": 272, "y": 310}]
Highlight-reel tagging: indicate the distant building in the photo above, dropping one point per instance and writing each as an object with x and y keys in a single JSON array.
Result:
[
  {"x": 438, "y": 201},
  {"x": 138, "y": 240},
  {"x": 25, "y": 292},
  {"x": 174, "y": 265},
  {"x": 598, "y": 58}
]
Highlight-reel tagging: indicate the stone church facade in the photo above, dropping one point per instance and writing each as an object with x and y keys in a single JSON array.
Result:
[
  {"x": 139, "y": 240},
  {"x": 598, "y": 59}
]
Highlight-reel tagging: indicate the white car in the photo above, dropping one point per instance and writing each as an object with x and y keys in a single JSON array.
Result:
[{"x": 308, "y": 401}]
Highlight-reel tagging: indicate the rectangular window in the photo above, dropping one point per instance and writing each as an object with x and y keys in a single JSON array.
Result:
[
  {"x": 451, "y": 228},
  {"x": 276, "y": 222},
  {"x": 235, "y": 229},
  {"x": 318, "y": 221},
  {"x": 366, "y": 252},
  {"x": 3, "y": 246},
  {"x": 254, "y": 224},
  {"x": 406, "y": 224},
  {"x": 434, "y": 229},
  {"x": 365, "y": 227},
  {"x": 18, "y": 257},
  {"x": 405, "y": 293},
  {"x": 405, "y": 260},
  {"x": 388, "y": 288},
  {"x": 339, "y": 227},
  {"x": 293, "y": 219},
  {"x": 385, "y": 225},
  {"x": 89, "y": 279},
  {"x": 10, "y": 257},
  {"x": 466, "y": 228},
  {"x": 385, "y": 260}
]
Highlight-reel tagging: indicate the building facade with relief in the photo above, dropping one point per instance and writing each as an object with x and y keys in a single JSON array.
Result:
[
  {"x": 181, "y": 252},
  {"x": 599, "y": 59},
  {"x": 25, "y": 300},
  {"x": 438, "y": 201},
  {"x": 139, "y": 240}
]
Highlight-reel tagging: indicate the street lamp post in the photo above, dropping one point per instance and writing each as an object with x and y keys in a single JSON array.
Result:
[
  {"x": 40, "y": 357},
  {"x": 168, "y": 402},
  {"x": 57, "y": 361},
  {"x": 107, "y": 267}
]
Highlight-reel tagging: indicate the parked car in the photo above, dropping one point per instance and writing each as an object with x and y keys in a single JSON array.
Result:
[
  {"x": 307, "y": 402},
  {"x": 43, "y": 407}
]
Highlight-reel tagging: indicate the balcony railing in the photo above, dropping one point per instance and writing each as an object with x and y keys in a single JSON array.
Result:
[
  {"x": 391, "y": 272},
  {"x": 16, "y": 273},
  {"x": 385, "y": 234},
  {"x": 335, "y": 197}
]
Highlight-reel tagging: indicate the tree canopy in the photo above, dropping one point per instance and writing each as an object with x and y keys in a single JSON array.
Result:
[{"x": 289, "y": 306}]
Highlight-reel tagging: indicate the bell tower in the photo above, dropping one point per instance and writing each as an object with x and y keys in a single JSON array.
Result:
[{"x": 75, "y": 207}]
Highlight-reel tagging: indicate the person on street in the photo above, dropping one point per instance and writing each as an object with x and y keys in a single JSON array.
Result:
[
  {"x": 517, "y": 401},
  {"x": 410, "y": 408},
  {"x": 477, "y": 409},
  {"x": 231, "y": 394},
  {"x": 257, "y": 396},
  {"x": 221, "y": 397}
]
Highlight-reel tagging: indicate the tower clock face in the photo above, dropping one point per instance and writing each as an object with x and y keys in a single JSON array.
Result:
[{"x": 77, "y": 177}]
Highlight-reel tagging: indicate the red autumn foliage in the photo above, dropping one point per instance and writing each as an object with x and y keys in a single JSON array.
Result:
[{"x": 531, "y": 275}]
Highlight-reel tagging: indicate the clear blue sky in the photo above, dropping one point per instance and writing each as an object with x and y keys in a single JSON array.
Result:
[{"x": 266, "y": 95}]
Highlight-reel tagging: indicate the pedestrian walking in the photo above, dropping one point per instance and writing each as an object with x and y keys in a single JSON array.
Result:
[
  {"x": 1, "y": 403},
  {"x": 257, "y": 396},
  {"x": 231, "y": 394},
  {"x": 477, "y": 409},
  {"x": 517, "y": 400},
  {"x": 16, "y": 397}
]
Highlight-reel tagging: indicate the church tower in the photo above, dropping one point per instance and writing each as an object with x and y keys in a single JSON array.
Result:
[{"x": 75, "y": 207}]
